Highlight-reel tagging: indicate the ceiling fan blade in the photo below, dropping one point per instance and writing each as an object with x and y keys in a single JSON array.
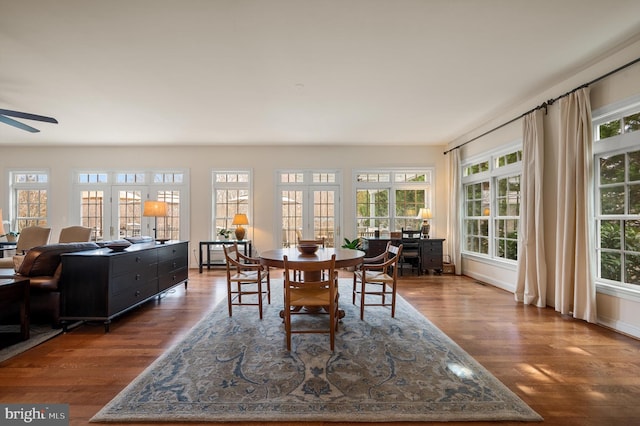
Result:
[
  {"x": 19, "y": 125},
  {"x": 27, "y": 116}
]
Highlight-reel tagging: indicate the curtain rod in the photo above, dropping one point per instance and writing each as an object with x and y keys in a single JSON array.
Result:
[{"x": 546, "y": 104}]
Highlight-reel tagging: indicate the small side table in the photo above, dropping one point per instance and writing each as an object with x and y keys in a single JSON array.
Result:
[
  {"x": 248, "y": 251},
  {"x": 6, "y": 246},
  {"x": 16, "y": 290}
]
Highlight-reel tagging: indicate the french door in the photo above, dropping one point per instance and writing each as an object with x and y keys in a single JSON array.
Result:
[
  {"x": 309, "y": 213},
  {"x": 126, "y": 212}
]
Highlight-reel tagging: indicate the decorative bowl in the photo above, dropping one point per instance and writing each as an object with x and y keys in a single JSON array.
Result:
[
  {"x": 307, "y": 248},
  {"x": 118, "y": 246}
]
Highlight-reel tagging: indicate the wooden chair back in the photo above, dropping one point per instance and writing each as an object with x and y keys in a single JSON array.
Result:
[{"x": 308, "y": 285}]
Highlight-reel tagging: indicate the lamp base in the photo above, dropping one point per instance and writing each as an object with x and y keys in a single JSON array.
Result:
[
  {"x": 425, "y": 229},
  {"x": 240, "y": 232}
]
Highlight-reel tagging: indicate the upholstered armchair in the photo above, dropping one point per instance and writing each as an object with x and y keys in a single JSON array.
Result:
[
  {"x": 75, "y": 234},
  {"x": 30, "y": 236}
]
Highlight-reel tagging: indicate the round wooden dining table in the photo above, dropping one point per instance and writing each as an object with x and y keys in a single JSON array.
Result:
[{"x": 344, "y": 257}]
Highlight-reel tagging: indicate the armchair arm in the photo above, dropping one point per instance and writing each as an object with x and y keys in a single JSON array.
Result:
[
  {"x": 247, "y": 259},
  {"x": 379, "y": 266},
  {"x": 246, "y": 266},
  {"x": 382, "y": 257}
]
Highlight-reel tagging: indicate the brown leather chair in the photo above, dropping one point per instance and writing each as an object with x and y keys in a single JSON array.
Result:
[{"x": 43, "y": 266}]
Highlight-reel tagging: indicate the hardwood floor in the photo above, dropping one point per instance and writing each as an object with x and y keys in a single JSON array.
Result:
[{"x": 570, "y": 372}]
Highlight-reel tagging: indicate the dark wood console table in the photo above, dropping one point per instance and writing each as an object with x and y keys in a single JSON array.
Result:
[
  {"x": 102, "y": 284},
  {"x": 431, "y": 252},
  {"x": 206, "y": 245}
]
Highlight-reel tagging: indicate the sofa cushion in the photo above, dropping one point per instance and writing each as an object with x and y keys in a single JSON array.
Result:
[{"x": 44, "y": 260}]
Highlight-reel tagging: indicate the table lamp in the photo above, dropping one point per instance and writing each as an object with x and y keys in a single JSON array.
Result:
[
  {"x": 425, "y": 215},
  {"x": 155, "y": 209},
  {"x": 240, "y": 219}
]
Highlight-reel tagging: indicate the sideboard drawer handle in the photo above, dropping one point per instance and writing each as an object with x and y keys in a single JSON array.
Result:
[
  {"x": 137, "y": 293},
  {"x": 137, "y": 277},
  {"x": 138, "y": 259}
]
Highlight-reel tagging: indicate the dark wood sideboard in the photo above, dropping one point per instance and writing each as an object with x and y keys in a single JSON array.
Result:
[
  {"x": 98, "y": 285},
  {"x": 431, "y": 251}
]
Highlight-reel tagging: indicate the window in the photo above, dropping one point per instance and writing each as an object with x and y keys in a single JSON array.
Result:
[
  {"x": 112, "y": 203},
  {"x": 391, "y": 199},
  {"x": 29, "y": 191},
  {"x": 617, "y": 196},
  {"x": 492, "y": 205},
  {"x": 231, "y": 195},
  {"x": 310, "y": 205}
]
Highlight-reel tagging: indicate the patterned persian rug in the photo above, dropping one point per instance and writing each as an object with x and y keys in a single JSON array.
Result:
[{"x": 383, "y": 369}]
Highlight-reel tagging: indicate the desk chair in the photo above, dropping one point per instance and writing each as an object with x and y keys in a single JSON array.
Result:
[
  {"x": 411, "y": 252},
  {"x": 245, "y": 279},
  {"x": 305, "y": 296}
]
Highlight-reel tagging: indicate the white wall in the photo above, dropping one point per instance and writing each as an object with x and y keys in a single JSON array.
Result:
[{"x": 264, "y": 161}]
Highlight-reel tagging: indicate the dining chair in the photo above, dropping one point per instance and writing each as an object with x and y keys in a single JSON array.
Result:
[
  {"x": 314, "y": 294},
  {"x": 411, "y": 254},
  {"x": 30, "y": 236},
  {"x": 246, "y": 279},
  {"x": 377, "y": 279},
  {"x": 75, "y": 234}
]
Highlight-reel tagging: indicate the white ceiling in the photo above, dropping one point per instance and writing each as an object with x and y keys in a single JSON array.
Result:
[{"x": 289, "y": 71}]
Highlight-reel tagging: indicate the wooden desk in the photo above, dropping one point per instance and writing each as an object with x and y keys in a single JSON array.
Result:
[
  {"x": 431, "y": 252},
  {"x": 16, "y": 291},
  {"x": 248, "y": 250}
]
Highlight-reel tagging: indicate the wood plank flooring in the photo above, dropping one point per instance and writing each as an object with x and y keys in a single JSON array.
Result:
[{"x": 570, "y": 372}]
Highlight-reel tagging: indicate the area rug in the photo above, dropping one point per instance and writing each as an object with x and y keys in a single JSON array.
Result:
[
  {"x": 383, "y": 369},
  {"x": 11, "y": 345}
]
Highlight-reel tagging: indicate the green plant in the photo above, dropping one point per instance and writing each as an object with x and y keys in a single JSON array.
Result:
[
  {"x": 224, "y": 233},
  {"x": 11, "y": 233},
  {"x": 353, "y": 244}
]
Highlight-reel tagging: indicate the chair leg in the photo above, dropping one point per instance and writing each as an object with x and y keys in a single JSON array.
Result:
[
  {"x": 362, "y": 296},
  {"x": 260, "y": 298},
  {"x": 354, "y": 289},
  {"x": 268, "y": 289},
  {"x": 393, "y": 300},
  {"x": 229, "y": 296}
]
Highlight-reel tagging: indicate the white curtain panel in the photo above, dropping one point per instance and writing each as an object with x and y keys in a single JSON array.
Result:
[
  {"x": 453, "y": 218},
  {"x": 531, "y": 287},
  {"x": 575, "y": 291}
]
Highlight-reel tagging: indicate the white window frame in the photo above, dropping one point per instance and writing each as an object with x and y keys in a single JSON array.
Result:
[
  {"x": 15, "y": 186},
  {"x": 392, "y": 186},
  {"x": 619, "y": 144},
  {"x": 492, "y": 175},
  {"x": 140, "y": 178},
  {"x": 215, "y": 186}
]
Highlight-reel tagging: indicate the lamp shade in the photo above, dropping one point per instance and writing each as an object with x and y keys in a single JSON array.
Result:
[
  {"x": 240, "y": 219},
  {"x": 154, "y": 209},
  {"x": 424, "y": 213}
]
